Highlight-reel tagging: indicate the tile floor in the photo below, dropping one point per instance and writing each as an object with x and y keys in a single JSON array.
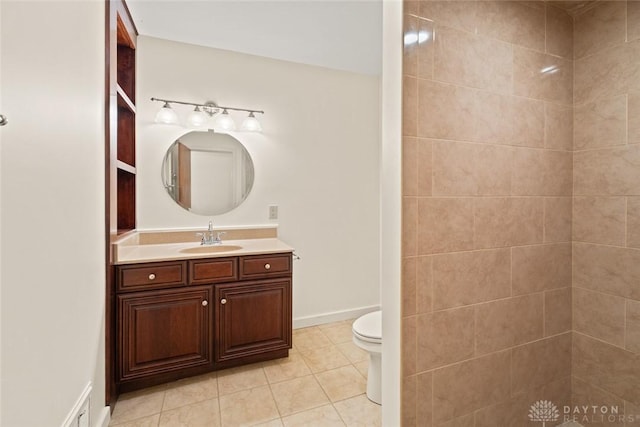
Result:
[{"x": 321, "y": 383}]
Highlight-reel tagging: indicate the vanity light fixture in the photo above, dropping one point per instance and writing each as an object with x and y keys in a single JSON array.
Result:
[
  {"x": 198, "y": 117},
  {"x": 167, "y": 115}
]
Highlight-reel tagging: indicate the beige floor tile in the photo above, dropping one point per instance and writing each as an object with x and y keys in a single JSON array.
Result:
[
  {"x": 338, "y": 333},
  {"x": 342, "y": 383},
  {"x": 190, "y": 390},
  {"x": 242, "y": 378},
  {"x": 354, "y": 353},
  {"x": 324, "y": 416},
  {"x": 248, "y": 407},
  {"x": 151, "y": 421},
  {"x": 313, "y": 339},
  {"x": 301, "y": 331},
  {"x": 360, "y": 412},
  {"x": 363, "y": 368},
  {"x": 273, "y": 423},
  {"x": 298, "y": 395},
  {"x": 139, "y": 404},
  {"x": 324, "y": 359},
  {"x": 201, "y": 414},
  {"x": 288, "y": 368}
]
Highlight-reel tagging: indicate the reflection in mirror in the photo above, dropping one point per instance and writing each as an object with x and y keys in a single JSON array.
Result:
[{"x": 207, "y": 173}]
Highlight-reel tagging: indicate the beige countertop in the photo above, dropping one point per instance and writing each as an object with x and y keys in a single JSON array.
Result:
[{"x": 139, "y": 248}]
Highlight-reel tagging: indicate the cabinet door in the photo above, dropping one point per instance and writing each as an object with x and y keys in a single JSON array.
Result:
[
  {"x": 164, "y": 331},
  {"x": 252, "y": 318}
]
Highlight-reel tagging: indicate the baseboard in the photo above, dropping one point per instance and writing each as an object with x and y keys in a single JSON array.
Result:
[
  {"x": 334, "y": 316},
  {"x": 104, "y": 417}
]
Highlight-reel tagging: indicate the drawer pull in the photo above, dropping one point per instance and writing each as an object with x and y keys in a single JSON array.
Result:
[
  {"x": 205, "y": 303},
  {"x": 223, "y": 301},
  {"x": 267, "y": 266},
  {"x": 152, "y": 276}
]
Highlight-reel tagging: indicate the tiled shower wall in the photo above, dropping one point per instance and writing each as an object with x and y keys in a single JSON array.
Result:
[
  {"x": 606, "y": 208},
  {"x": 487, "y": 203}
]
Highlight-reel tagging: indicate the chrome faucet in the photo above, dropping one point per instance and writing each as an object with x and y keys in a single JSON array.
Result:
[{"x": 208, "y": 237}]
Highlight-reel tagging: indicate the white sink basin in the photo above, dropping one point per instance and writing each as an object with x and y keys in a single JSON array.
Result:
[{"x": 211, "y": 249}]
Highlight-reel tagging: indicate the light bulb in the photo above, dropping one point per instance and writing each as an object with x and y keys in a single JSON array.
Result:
[
  {"x": 251, "y": 124},
  {"x": 166, "y": 115},
  {"x": 197, "y": 118},
  {"x": 224, "y": 122}
]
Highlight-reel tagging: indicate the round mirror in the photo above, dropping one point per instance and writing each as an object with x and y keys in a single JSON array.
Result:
[{"x": 207, "y": 173}]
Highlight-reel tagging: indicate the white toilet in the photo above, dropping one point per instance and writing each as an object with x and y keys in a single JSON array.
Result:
[{"x": 367, "y": 334}]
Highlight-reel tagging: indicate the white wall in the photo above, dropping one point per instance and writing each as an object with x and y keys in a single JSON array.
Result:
[
  {"x": 318, "y": 160},
  {"x": 52, "y": 198}
]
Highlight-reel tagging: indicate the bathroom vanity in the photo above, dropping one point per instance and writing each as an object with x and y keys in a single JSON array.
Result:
[{"x": 184, "y": 309}]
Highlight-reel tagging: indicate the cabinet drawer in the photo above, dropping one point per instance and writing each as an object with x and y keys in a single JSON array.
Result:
[
  {"x": 213, "y": 270},
  {"x": 151, "y": 276},
  {"x": 265, "y": 265}
]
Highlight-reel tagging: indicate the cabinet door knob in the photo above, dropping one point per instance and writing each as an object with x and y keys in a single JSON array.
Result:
[
  {"x": 205, "y": 303},
  {"x": 223, "y": 301},
  {"x": 152, "y": 276},
  {"x": 267, "y": 266}
]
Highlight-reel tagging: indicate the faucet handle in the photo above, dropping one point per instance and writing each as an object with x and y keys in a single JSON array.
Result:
[
  {"x": 202, "y": 238},
  {"x": 218, "y": 234}
]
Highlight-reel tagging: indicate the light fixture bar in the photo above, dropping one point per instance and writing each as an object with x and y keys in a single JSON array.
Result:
[{"x": 208, "y": 106}]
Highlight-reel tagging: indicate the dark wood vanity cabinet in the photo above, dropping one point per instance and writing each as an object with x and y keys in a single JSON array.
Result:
[{"x": 182, "y": 318}]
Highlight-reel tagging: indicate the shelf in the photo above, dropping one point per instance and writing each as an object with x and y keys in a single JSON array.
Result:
[
  {"x": 124, "y": 100},
  {"x": 126, "y": 145},
  {"x": 126, "y": 167},
  {"x": 126, "y": 201}
]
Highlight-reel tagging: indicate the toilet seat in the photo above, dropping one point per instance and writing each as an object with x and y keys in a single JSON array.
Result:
[{"x": 369, "y": 327}]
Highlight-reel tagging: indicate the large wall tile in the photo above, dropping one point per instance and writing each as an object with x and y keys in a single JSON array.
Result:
[
  {"x": 503, "y": 222},
  {"x": 558, "y": 120},
  {"x": 541, "y": 172},
  {"x": 424, "y": 284},
  {"x": 409, "y": 166},
  {"x": 612, "y": 368},
  {"x": 540, "y": 362},
  {"x": 541, "y": 267},
  {"x": 559, "y": 32},
  {"x": 463, "y": 421},
  {"x": 469, "y": 60},
  {"x": 409, "y": 106},
  {"x": 601, "y": 123},
  {"x": 599, "y": 220},
  {"x": 514, "y": 411},
  {"x": 557, "y": 311},
  {"x": 409, "y": 346},
  {"x": 633, "y": 126},
  {"x": 418, "y": 56},
  {"x": 409, "y": 281},
  {"x": 470, "y": 277},
  {"x": 508, "y": 322},
  {"x": 607, "y": 269},
  {"x": 513, "y": 22},
  {"x": 504, "y": 119},
  {"x": 633, "y": 326},
  {"x": 445, "y": 337},
  {"x": 424, "y": 398},
  {"x": 633, "y": 20},
  {"x": 599, "y": 315},
  {"x": 455, "y": 14},
  {"x": 607, "y": 73},
  {"x": 409, "y": 226},
  {"x": 424, "y": 154},
  {"x": 608, "y": 171},
  {"x": 633, "y": 222},
  {"x": 540, "y": 76},
  {"x": 557, "y": 219},
  {"x": 585, "y": 394},
  {"x": 601, "y": 27},
  {"x": 444, "y": 225},
  {"x": 445, "y": 111},
  {"x": 408, "y": 397},
  {"x": 462, "y": 388},
  {"x": 461, "y": 169}
]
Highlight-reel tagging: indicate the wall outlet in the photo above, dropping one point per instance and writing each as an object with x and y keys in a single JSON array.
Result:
[{"x": 273, "y": 212}]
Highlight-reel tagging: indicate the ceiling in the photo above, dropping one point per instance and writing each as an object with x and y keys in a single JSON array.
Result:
[{"x": 343, "y": 35}]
